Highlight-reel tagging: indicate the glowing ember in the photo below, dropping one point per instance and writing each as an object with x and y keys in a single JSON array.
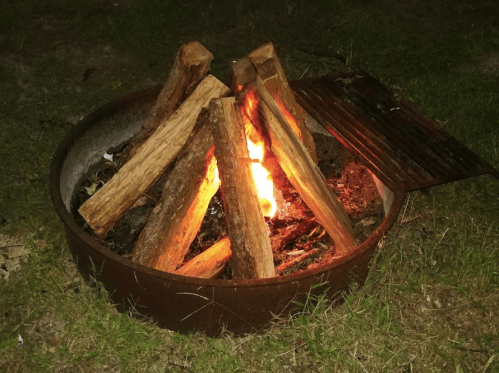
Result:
[{"x": 256, "y": 149}]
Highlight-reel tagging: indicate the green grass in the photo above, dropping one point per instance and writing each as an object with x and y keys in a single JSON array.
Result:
[{"x": 430, "y": 303}]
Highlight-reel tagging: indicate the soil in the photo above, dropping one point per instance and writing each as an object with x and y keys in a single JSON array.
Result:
[{"x": 298, "y": 241}]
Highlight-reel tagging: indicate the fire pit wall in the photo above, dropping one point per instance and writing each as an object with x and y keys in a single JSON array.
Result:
[{"x": 177, "y": 302}]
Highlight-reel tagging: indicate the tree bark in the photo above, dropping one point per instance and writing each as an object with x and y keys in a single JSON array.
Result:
[
  {"x": 304, "y": 174},
  {"x": 251, "y": 251},
  {"x": 177, "y": 217},
  {"x": 114, "y": 199},
  {"x": 269, "y": 68},
  {"x": 210, "y": 263},
  {"x": 191, "y": 66}
]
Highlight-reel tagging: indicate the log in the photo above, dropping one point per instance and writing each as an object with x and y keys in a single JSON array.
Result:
[
  {"x": 177, "y": 217},
  {"x": 251, "y": 251},
  {"x": 242, "y": 73},
  {"x": 300, "y": 261},
  {"x": 304, "y": 174},
  {"x": 291, "y": 232},
  {"x": 191, "y": 66},
  {"x": 270, "y": 70},
  {"x": 210, "y": 263},
  {"x": 113, "y": 200}
]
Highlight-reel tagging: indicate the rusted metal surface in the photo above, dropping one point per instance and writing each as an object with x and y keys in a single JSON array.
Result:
[
  {"x": 398, "y": 143},
  {"x": 176, "y": 302}
]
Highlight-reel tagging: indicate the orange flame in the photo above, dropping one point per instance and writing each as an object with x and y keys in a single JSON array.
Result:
[
  {"x": 256, "y": 149},
  {"x": 290, "y": 119}
]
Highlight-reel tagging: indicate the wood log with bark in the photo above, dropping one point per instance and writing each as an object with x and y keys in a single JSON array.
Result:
[
  {"x": 300, "y": 260},
  {"x": 304, "y": 174},
  {"x": 270, "y": 70},
  {"x": 115, "y": 198},
  {"x": 251, "y": 250},
  {"x": 242, "y": 73},
  {"x": 191, "y": 66},
  {"x": 210, "y": 263},
  {"x": 177, "y": 217}
]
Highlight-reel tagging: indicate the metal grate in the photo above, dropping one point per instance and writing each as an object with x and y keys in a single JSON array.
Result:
[{"x": 397, "y": 142}]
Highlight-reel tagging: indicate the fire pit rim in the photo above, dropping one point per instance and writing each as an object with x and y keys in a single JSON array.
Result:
[
  {"x": 92, "y": 242},
  {"x": 66, "y": 217}
]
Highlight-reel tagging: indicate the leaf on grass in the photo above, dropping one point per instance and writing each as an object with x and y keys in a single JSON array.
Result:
[
  {"x": 92, "y": 188},
  {"x": 40, "y": 243},
  {"x": 368, "y": 221}
]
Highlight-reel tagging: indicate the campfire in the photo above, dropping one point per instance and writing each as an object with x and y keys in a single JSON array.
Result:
[
  {"x": 164, "y": 192},
  {"x": 217, "y": 137}
]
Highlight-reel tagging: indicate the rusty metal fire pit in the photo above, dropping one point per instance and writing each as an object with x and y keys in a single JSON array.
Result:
[{"x": 358, "y": 114}]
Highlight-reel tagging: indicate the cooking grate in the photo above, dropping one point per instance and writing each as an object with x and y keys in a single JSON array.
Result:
[{"x": 396, "y": 141}]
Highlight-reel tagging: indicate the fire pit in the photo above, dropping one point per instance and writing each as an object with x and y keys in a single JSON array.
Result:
[{"x": 401, "y": 147}]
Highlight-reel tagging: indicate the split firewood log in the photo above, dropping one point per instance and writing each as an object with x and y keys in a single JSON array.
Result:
[
  {"x": 251, "y": 250},
  {"x": 270, "y": 70},
  {"x": 210, "y": 263},
  {"x": 242, "y": 73},
  {"x": 177, "y": 217},
  {"x": 191, "y": 66},
  {"x": 304, "y": 174},
  {"x": 116, "y": 197}
]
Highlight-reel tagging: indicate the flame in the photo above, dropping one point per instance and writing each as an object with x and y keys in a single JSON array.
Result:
[
  {"x": 290, "y": 119},
  {"x": 263, "y": 180},
  {"x": 256, "y": 149}
]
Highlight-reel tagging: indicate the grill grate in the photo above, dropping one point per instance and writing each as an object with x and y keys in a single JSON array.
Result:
[{"x": 397, "y": 142}]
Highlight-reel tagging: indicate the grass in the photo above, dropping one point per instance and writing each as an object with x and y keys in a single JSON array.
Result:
[{"x": 431, "y": 300}]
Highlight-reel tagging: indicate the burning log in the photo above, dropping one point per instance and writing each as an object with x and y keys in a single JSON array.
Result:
[
  {"x": 177, "y": 217},
  {"x": 242, "y": 73},
  {"x": 292, "y": 232},
  {"x": 251, "y": 249},
  {"x": 191, "y": 66},
  {"x": 297, "y": 261},
  {"x": 210, "y": 263},
  {"x": 304, "y": 174},
  {"x": 115, "y": 198},
  {"x": 269, "y": 68}
]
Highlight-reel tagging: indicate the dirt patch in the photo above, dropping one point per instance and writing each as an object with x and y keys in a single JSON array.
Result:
[
  {"x": 489, "y": 63},
  {"x": 13, "y": 254}
]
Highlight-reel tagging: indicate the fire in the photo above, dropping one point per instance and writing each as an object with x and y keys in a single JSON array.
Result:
[
  {"x": 290, "y": 119},
  {"x": 263, "y": 180},
  {"x": 256, "y": 149}
]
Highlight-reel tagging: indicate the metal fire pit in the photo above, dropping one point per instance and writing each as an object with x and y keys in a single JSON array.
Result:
[{"x": 357, "y": 111}]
